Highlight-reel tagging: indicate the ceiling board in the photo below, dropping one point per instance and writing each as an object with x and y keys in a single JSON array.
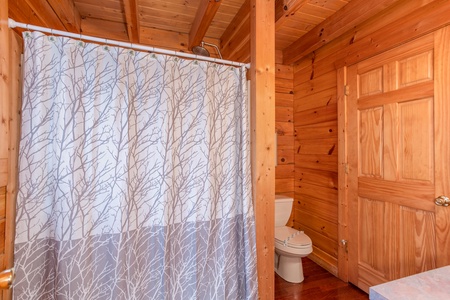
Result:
[{"x": 177, "y": 17}]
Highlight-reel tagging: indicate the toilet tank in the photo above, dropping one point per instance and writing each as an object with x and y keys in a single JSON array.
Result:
[{"x": 283, "y": 207}]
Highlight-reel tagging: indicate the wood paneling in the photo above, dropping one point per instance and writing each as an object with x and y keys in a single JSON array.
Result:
[
  {"x": 371, "y": 132},
  {"x": 317, "y": 207},
  {"x": 323, "y": 59},
  {"x": 284, "y": 128},
  {"x": 95, "y": 27},
  {"x": 315, "y": 93},
  {"x": 344, "y": 20},
  {"x": 416, "y": 226},
  {"x": 416, "y": 123}
]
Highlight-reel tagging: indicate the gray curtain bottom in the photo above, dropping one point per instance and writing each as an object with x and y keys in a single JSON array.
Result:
[{"x": 205, "y": 260}]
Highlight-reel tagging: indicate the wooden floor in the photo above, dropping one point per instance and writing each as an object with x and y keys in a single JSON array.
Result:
[{"x": 318, "y": 285}]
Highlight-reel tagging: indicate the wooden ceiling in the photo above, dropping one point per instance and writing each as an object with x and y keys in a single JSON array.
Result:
[{"x": 181, "y": 24}]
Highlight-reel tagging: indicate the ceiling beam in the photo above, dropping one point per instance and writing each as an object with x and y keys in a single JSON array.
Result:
[
  {"x": 44, "y": 12},
  {"x": 286, "y": 8},
  {"x": 132, "y": 20},
  {"x": 237, "y": 35},
  {"x": 355, "y": 12},
  {"x": 67, "y": 13},
  {"x": 205, "y": 14}
]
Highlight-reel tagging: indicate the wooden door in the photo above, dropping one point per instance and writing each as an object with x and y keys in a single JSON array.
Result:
[{"x": 397, "y": 161}]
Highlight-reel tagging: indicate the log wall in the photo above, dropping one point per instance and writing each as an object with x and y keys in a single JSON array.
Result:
[{"x": 284, "y": 128}]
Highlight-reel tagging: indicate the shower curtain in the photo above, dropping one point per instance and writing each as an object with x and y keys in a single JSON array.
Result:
[{"x": 134, "y": 176}]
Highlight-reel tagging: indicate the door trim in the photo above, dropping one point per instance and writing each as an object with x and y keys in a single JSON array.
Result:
[{"x": 342, "y": 119}]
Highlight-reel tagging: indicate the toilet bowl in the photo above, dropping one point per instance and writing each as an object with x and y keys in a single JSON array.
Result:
[{"x": 290, "y": 244}]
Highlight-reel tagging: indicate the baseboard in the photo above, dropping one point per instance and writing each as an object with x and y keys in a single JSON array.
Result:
[{"x": 324, "y": 260}]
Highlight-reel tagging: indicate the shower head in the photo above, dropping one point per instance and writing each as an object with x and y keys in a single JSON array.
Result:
[{"x": 201, "y": 50}]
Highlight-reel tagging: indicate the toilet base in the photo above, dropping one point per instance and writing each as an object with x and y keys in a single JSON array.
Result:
[{"x": 289, "y": 268}]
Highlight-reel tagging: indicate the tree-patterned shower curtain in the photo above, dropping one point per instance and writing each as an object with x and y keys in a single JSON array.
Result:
[{"x": 134, "y": 174}]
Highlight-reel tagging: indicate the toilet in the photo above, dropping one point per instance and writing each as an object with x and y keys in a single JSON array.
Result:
[{"x": 290, "y": 244}]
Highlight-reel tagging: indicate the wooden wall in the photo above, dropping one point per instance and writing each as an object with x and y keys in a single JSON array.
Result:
[
  {"x": 315, "y": 208},
  {"x": 284, "y": 128},
  {"x": 315, "y": 115}
]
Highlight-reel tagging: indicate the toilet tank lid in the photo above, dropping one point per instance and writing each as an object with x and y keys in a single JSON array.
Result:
[{"x": 282, "y": 198}]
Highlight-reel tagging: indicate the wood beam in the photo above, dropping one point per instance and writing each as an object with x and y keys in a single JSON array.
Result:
[
  {"x": 352, "y": 14},
  {"x": 67, "y": 13},
  {"x": 45, "y": 13},
  {"x": 286, "y": 8},
  {"x": 55, "y": 14},
  {"x": 236, "y": 38},
  {"x": 205, "y": 14},
  {"x": 4, "y": 91},
  {"x": 7, "y": 163},
  {"x": 15, "y": 108},
  {"x": 132, "y": 20},
  {"x": 263, "y": 138},
  {"x": 22, "y": 12}
]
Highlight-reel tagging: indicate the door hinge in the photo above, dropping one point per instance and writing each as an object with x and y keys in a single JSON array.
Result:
[{"x": 346, "y": 90}]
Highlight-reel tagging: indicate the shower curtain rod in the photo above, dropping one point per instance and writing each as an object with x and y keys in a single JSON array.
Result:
[{"x": 14, "y": 24}]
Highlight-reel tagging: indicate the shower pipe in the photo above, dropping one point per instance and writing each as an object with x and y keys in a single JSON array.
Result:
[{"x": 14, "y": 24}]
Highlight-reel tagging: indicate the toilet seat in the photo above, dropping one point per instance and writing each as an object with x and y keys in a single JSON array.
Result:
[{"x": 292, "y": 238}]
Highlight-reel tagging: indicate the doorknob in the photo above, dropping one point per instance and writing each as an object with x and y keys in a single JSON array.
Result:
[
  {"x": 442, "y": 201},
  {"x": 6, "y": 278}
]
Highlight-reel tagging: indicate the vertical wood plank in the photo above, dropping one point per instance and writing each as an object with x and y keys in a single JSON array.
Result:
[
  {"x": 4, "y": 82},
  {"x": 351, "y": 131},
  {"x": 263, "y": 138},
  {"x": 14, "y": 123},
  {"x": 342, "y": 260},
  {"x": 4, "y": 108},
  {"x": 442, "y": 142}
]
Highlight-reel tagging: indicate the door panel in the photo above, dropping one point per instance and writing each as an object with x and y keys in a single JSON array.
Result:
[
  {"x": 394, "y": 224},
  {"x": 416, "y": 230}
]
